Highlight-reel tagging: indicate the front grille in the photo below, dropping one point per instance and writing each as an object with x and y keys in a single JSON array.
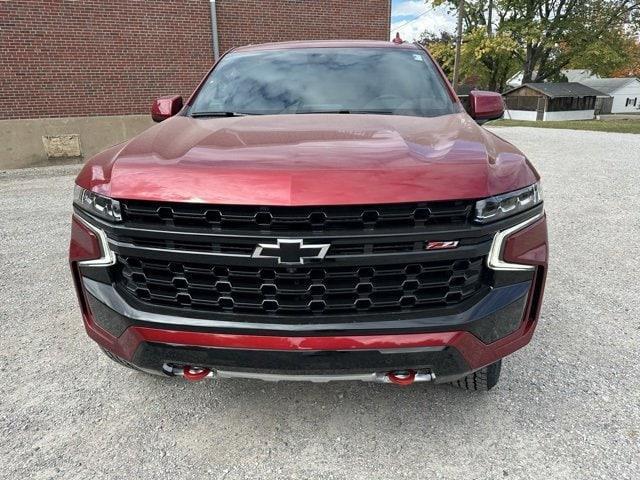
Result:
[
  {"x": 296, "y": 219},
  {"x": 300, "y": 290},
  {"x": 199, "y": 258}
]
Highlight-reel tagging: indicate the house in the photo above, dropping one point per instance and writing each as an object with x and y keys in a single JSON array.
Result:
[
  {"x": 551, "y": 101},
  {"x": 578, "y": 74},
  {"x": 571, "y": 74},
  {"x": 625, "y": 93}
]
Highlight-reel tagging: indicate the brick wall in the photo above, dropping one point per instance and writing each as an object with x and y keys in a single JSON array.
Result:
[
  {"x": 61, "y": 58},
  {"x": 241, "y": 22},
  {"x": 99, "y": 57}
]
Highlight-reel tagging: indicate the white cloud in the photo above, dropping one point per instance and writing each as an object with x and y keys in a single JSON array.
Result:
[{"x": 435, "y": 21}]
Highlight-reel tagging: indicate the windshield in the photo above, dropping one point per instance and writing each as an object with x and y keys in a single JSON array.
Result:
[{"x": 325, "y": 80}]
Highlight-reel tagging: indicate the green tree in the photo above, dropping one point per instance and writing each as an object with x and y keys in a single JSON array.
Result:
[
  {"x": 487, "y": 60},
  {"x": 443, "y": 50},
  {"x": 546, "y": 36},
  {"x": 614, "y": 52}
]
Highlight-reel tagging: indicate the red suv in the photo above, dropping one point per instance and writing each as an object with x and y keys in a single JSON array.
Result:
[{"x": 315, "y": 211}]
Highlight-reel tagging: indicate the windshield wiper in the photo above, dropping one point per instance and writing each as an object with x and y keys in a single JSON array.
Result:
[
  {"x": 375, "y": 112},
  {"x": 218, "y": 114}
]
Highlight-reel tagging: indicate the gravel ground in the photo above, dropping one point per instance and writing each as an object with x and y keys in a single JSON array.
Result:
[{"x": 567, "y": 406}]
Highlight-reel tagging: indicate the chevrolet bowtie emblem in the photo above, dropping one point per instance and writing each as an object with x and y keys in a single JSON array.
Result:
[{"x": 291, "y": 251}]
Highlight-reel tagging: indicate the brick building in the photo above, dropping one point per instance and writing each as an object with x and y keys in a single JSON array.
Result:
[{"x": 89, "y": 69}]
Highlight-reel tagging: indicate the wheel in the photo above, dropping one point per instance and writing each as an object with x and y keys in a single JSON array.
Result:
[{"x": 484, "y": 379}]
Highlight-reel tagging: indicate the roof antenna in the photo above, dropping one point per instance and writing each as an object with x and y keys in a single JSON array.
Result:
[{"x": 398, "y": 40}]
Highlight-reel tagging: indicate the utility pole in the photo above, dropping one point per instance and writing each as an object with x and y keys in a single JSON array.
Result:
[{"x": 456, "y": 64}]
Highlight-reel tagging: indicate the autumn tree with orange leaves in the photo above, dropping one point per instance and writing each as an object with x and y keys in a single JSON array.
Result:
[{"x": 542, "y": 37}]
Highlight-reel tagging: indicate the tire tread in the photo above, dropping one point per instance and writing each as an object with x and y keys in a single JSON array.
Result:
[{"x": 481, "y": 380}]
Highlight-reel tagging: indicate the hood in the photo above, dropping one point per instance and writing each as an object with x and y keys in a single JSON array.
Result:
[{"x": 309, "y": 160}]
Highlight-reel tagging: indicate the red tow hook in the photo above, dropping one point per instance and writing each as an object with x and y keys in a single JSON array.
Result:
[
  {"x": 195, "y": 374},
  {"x": 403, "y": 378}
]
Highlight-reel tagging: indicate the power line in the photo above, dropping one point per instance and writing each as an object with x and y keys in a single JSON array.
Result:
[{"x": 412, "y": 20}]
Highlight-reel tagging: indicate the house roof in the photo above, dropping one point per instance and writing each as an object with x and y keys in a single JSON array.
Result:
[
  {"x": 608, "y": 85},
  {"x": 572, "y": 74},
  {"x": 557, "y": 90},
  {"x": 577, "y": 74}
]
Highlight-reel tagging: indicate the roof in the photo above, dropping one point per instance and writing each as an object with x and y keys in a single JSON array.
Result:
[
  {"x": 577, "y": 74},
  {"x": 572, "y": 74},
  {"x": 557, "y": 90},
  {"x": 609, "y": 85},
  {"x": 325, "y": 44}
]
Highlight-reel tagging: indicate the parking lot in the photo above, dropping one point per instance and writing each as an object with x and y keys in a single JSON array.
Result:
[{"x": 567, "y": 406}]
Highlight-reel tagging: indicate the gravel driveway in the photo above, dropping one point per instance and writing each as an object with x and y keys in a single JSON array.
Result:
[{"x": 568, "y": 405}]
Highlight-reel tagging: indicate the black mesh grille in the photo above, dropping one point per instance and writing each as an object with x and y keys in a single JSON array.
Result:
[
  {"x": 361, "y": 235},
  {"x": 301, "y": 290},
  {"x": 278, "y": 219}
]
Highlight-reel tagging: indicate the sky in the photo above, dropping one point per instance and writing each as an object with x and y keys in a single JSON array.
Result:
[{"x": 435, "y": 20}]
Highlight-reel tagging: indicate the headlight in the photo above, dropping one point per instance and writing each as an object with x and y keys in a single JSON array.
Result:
[
  {"x": 103, "y": 207},
  {"x": 508, "y": 204}
]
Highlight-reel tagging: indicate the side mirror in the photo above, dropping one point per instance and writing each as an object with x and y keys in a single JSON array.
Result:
[
  {"x": 485, "y": 106},
  {"x": 165, "y": 107}
]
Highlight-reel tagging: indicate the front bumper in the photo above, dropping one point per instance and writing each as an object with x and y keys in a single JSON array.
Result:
[
  {"x": 448, "y": 347},
  {"x": 481, "y": 331}
]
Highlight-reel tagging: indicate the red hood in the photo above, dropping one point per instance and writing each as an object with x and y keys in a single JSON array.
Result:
[{"x": 309, "y": 160}]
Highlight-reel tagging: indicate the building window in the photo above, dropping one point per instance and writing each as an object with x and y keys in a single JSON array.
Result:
[{"x": 632, "y": 101}]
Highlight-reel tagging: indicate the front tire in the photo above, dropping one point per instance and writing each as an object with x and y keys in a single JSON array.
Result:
[{"x": 481, "y": 380}]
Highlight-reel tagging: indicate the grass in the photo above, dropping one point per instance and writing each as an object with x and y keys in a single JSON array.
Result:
[{"x": 621, "y": 125}]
